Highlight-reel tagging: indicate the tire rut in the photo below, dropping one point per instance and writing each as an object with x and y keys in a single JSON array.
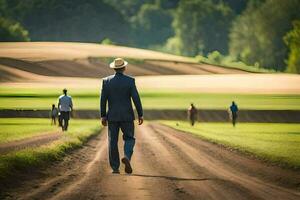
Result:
[{"x": 167, "y": 164}]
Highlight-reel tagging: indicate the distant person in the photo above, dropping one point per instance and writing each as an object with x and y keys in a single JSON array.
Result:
[
  {"x": 233, "y": 113},
  {"x": 53, "y": 114},
  {"x": 59, "y": 120},
  {"x": 192, "y": 114},
  {"x": 65, "y": 106},
  {"x": 117, "y": 91}
]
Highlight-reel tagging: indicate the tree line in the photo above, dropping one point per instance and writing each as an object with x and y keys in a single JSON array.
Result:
[{"x": 261, "y": 33}]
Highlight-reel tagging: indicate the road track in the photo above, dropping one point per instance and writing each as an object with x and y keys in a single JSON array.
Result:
[{"x": 168, "y": 164}]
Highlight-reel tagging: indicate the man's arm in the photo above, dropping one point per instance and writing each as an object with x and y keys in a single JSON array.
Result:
[
  {"x": 103, "y": 101},
  {"x": 58, "y": 104},
  {"x": 71, "y": 103},
  {"x": 137, "y": 102}
]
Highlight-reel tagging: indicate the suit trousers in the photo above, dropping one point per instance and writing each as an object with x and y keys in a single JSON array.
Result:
[{"x": 113, "y": 136}]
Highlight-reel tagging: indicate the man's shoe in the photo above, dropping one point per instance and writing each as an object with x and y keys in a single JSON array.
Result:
[
  {"x": 128, "y": 168},
  {"x": 116, "y": 171}
]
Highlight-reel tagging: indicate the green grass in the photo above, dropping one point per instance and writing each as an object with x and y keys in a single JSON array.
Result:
[
  {"x": 89, "y": 99},
  {"x": 79, "y": 132},
  {"x": 240, "y": 65},
  {"x": 215, "y": 58},
  {"x": 278, "y": 143},
  {"x": 15, "y": 129}
]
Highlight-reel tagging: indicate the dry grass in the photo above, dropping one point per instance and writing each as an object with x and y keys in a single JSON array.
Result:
[
  {"x": 58, "y": 64},
  {"x": 235, "y": 83}
]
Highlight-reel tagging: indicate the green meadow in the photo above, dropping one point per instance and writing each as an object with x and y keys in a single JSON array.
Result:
[
  {"x": 79, "y": 132},
  {"x": 12, "y": 129},
  {"x": 278, "y": 143},
  {"x": 89, "y": 99}
]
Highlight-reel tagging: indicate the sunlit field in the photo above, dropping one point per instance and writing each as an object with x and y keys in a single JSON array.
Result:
[
  {"x": 89, "y": 99},
  {"x": 177, "y": 53},
  {"x": 12, "y": 129},
  {"x": 15, "y": 129},
  {"x": 276, "y": 142}
]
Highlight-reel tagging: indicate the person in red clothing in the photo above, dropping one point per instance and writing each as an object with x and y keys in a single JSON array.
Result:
[{"x": 192, "y": 114}]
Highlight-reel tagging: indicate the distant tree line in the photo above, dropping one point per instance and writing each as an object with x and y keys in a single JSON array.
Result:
[
  {"x": 68, "y": 20},
  {"x": 262, "y": 33},
  {"x": 258, "y": 34}
]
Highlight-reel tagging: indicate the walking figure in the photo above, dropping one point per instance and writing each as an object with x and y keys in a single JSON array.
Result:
[
  {"x": 59, "y": 119},
  {"x": 233, "y": 113},
  {"x": 53, "y": 114},
  {"x": 117, "y": 91},
  {"x": 192, "y": 114},
  {"x": 65, "y": 106}
]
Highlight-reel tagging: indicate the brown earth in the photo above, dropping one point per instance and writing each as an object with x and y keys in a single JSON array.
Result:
[
  {"x": 89, "y": 68},
  {"x": 167, "y": 164},
  {"x": 225, "y": 83},
  {"x": 29, "y": 142},
  {"x": 78, "y": 65},
  {"x": 86, "y": 60},
  {"x": 40, "y": 51},
  {"x": 213, "y": 83}
]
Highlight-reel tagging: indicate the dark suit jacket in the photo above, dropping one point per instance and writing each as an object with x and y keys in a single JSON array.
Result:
[{"x": 117, "y": 91}]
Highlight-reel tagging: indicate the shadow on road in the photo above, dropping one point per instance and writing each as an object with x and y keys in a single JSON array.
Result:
[{"x": 173, "y": 178}]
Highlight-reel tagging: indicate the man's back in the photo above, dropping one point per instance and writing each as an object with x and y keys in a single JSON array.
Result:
[{"x": 117, "y": 91}]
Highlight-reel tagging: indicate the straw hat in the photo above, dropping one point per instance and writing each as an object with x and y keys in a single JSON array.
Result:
[{"x": 118, "y": 63}]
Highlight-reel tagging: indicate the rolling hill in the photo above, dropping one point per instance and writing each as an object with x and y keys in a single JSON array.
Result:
[
  {"x": 79, "y": 65},
  {"x": 90, "y": 61}
]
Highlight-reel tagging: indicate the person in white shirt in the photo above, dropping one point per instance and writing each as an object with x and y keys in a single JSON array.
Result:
[{"x": 65, "y": 106}]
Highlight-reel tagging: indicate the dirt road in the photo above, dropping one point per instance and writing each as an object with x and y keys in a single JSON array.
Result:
[{"x": 167, "y": 165}]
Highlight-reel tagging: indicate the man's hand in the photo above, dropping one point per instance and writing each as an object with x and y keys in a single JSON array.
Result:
[
  {"x": 141, "y": 120},
  {"x": 104, "y": 121}
]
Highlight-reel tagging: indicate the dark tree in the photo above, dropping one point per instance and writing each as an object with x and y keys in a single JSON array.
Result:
[
  {"x": 11, "y": 31},
  {"x": 152, "y": 25},
  {"x": 129, "y": 8},
  {"x": 70, "y": 20},
  {"x": 257, "y": 35},
  {"x": 203, "y": 26},
  {"x": 292, "y": 39}
]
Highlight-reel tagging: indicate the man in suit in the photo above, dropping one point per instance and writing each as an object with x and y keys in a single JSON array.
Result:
[{"x": 117, "y": 92}]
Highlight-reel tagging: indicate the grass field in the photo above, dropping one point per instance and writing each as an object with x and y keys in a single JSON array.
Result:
[
  {"x": 279, "y": 143},
  {"x": 89, "y": 99},
  {"x": 78, "y": 133},
  {"x": 16, "y": 129},
  {"x": 12, "y": 129}
]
